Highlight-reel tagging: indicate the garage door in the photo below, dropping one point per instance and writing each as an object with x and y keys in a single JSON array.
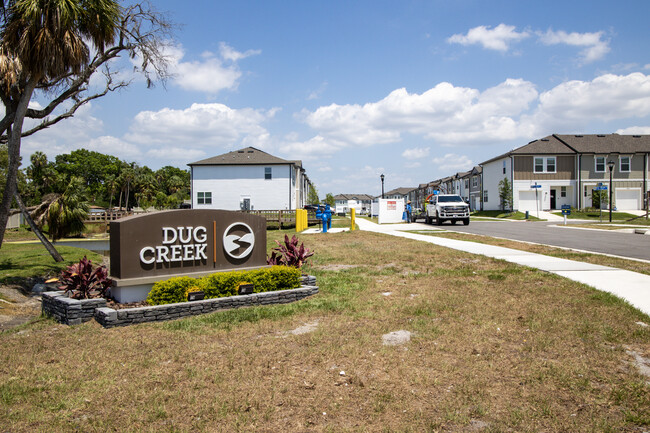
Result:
[
  {"x": 527, "y": 201},
  {"x": 628, "y": 199}
]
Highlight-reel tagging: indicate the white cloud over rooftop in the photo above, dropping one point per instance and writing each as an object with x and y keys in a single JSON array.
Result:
[{"x": 498, "y": 38}]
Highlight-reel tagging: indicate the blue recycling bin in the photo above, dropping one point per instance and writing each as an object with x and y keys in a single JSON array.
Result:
[
  {"x": 328, "y": 216},
  {"x": 322, "y": 220}
]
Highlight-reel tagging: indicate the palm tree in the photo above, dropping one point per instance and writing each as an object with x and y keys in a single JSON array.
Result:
[
  {"x": 43, "y": 41},
  {"x": 66, "y": 215}
]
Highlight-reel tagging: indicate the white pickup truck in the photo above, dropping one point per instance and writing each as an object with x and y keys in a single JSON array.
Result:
[{"x": 447, "y": 207}]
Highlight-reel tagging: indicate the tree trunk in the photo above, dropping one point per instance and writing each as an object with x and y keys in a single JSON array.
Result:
[
  {"x": 13, "y": 146},
  {"x": 127, "y": 196},
  {"x": 48, "y": 246}
]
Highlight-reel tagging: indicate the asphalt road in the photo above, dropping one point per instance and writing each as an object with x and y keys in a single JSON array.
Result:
[{"x": 551, "y": 233}]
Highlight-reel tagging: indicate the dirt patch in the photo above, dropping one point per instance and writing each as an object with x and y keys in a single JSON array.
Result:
[
  {"x": 304, "y": 329},
  {"x": 396, "y": 338},
  {"x": 16, "y": 307}
]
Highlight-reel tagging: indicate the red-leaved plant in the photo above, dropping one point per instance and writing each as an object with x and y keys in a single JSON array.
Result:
[
  {"x": 81, "y": 281},
  {"x": 289, "y": 253}
]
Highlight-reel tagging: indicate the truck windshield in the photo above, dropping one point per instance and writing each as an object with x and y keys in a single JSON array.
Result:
[{"x": 450, "y": 199}]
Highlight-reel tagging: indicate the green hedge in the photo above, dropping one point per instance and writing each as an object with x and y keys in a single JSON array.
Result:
[{"x": 224, "y": 284}]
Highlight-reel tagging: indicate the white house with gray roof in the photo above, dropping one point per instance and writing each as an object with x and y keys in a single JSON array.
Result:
[{"x": 248, "y": 179}]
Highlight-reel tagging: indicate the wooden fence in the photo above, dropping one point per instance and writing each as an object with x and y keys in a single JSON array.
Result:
[
  {"x": 286, "y": 218},
  {"x": 107, "y": 216},
  {"x": 281, "y": 218}
]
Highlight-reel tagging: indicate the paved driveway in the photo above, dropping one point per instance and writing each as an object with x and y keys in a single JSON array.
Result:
[{"x": 550, "y": 233}]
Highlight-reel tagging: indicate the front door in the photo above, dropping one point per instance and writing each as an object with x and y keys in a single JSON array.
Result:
[
  {"x": 553, "y": 199},
  {"x": 246, "y": 204}
]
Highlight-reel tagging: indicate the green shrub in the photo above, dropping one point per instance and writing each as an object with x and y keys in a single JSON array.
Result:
[
  {"x": 224, "y": 284},
  {"x": 172, "y": 290}
]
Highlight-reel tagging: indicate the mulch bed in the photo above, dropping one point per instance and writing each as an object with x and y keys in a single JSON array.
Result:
[{"x": 111, "y": 303}]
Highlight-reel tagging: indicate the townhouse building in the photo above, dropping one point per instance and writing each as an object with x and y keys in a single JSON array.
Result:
[
  {"x": 564, "y": 170},
  {"x": 248, "y": 179}
]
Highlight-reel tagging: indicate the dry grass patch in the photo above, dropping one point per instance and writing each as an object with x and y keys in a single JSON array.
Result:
[{"x": 494, "y": 346}]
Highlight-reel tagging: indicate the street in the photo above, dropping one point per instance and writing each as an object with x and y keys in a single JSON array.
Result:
[{"x": 553, "y": 233}]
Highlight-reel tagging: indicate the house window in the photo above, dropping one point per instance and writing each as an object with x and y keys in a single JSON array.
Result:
[
  {"x": 550, "y": 165},
  {"x": 466, "y": 183},
  {"x": 600, "y": 164},
  {"x": 485, "y": 196},
  {"x": 504, "y": 166},
  {"x": 268, "y": 173},
  {"x": 204, "y": 198},
  {"x": 475, "y": 181},
  {"x": 563, "y": 191},
  {"x": 544, "y": 164},
  {"x": 625, "y": 163},
  {"x": 585, "y": 191}
]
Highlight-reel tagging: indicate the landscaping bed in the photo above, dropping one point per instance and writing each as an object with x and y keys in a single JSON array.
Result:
[{"x": 71, "y": 311}]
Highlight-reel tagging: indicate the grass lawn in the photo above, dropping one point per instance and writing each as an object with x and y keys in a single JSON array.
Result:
[
  {"x": 504, "y": 215},
  {"x": 493, "y": 344},
  {"x": 20, "y": 261},
  {"x": 618, "y": 217}
]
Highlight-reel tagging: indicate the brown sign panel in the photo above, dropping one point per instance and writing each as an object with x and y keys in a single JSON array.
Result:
[{"x": 186, "y": 241}]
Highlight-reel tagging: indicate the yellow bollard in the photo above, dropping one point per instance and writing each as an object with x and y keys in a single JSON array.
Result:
[
  {"x": 305, "y": 219},
  {"x": 298, "y": 221},
  {"x": 352, "y": 218}
]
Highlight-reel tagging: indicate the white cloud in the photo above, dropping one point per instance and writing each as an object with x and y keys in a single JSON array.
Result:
[
  {"x": 634, "y": 130},
  {"x": 229, "y": 53},
  {"x": 63, "y": 137},
  {"x": 316, "y": 93},
  {"x": 445, "y": 113},
  {"x": 114, "y": 146},
  {"x": 594, "y": 47},
  {"x": 211, "y": 74},
  {"x": 315, "y": 148},
  {"x": 498, "y": 38},
  {"x": 199, "y": 126},
  {"x": 452, "y": 162},
  {"x": 416, "y": 153},
  {"x": 573, "y": 104}
]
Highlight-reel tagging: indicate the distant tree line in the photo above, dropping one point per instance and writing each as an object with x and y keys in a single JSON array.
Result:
[{"x": 101, "y": 180}]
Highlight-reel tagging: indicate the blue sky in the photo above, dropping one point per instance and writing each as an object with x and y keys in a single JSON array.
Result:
[{"x": 416, "y": 90}]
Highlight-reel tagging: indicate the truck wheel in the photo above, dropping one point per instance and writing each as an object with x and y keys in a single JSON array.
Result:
[
  {"x": 438, "y": 221},
  {"x": 466, "y": 221}
]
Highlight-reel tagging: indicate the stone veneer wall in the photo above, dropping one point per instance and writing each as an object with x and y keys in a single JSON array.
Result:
[
  {"x": 109, "y": 317},
  {"x": 70, "y": 311}
]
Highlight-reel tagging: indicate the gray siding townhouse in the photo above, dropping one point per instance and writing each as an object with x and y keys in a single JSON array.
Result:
[
  {"x": 563, "y": 170},
  {"x": 475, "y": 188},
  {"x": 400, "y": 193},
  {"x": 359, "y": 202}
]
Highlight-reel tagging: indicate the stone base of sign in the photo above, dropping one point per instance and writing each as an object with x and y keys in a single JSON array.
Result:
[
  {"x": 70, "y": 311},
  {"x": 136, "y": 289},
  {"x": 109, "y": 317}
]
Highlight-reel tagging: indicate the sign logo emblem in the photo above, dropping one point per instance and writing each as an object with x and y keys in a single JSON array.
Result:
[{"x": 238, "y": 240}]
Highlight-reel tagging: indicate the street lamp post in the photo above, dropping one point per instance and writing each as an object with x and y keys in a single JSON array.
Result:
[
  {"x": 382, "y": 185},
  {"x": 610, "y": 164}
]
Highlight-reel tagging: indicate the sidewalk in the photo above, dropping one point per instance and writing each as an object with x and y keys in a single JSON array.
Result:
[{"x": 630, "y": 286}]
